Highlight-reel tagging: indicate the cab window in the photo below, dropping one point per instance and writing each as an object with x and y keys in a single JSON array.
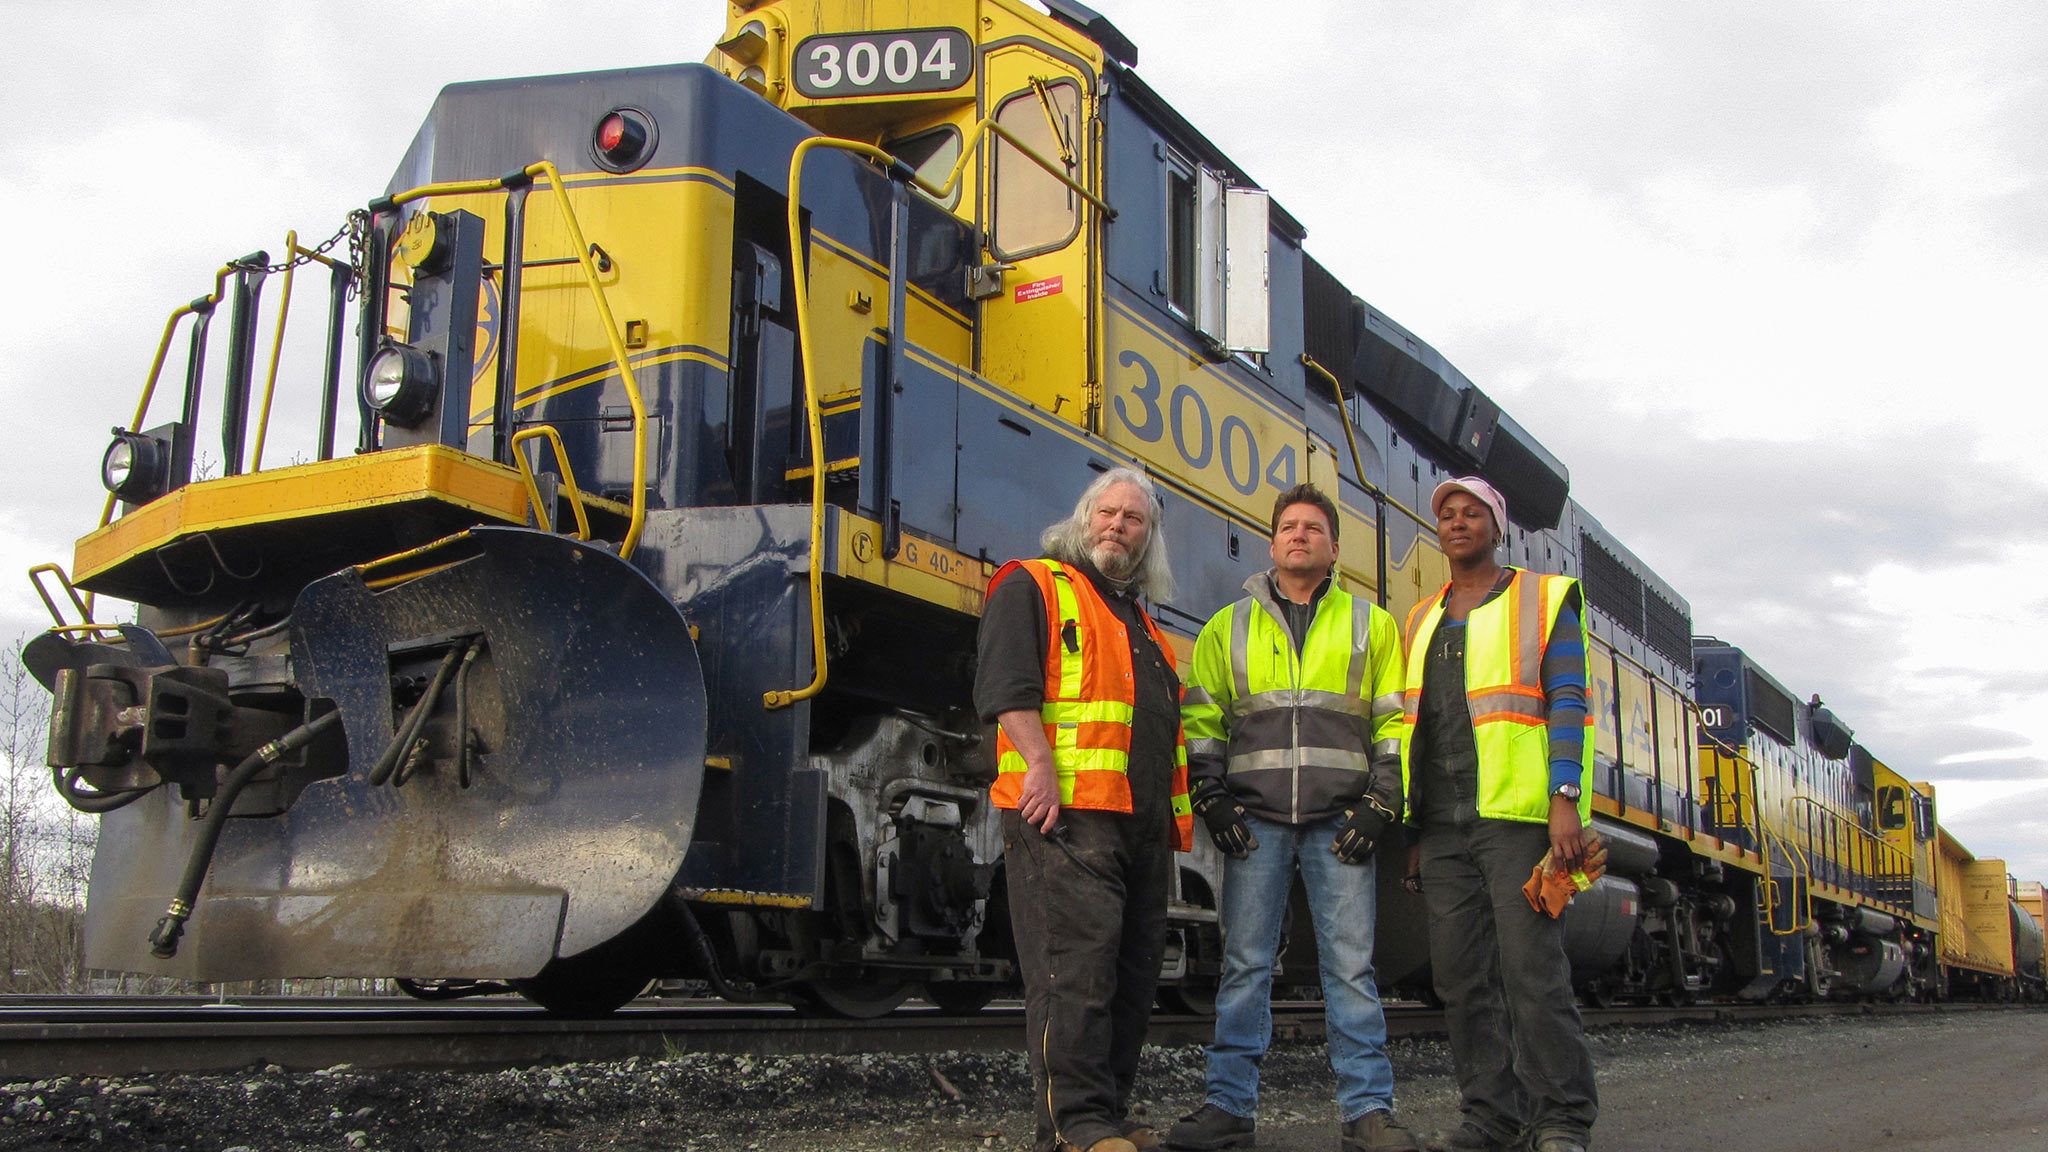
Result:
[
  {"x": 1180, "y": 238},
  {"x": 1033, "y": 212},
  {"x": 933, "y": 154}
]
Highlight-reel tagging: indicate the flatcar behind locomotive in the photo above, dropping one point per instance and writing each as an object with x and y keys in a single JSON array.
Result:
[{"x": 696, "y": 406}]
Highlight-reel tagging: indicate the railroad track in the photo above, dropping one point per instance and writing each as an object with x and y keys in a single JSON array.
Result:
[{"x": 128, "y": 1037}]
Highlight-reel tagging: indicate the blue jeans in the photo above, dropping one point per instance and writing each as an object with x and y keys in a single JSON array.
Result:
[{"x": 1340, "y": 900}]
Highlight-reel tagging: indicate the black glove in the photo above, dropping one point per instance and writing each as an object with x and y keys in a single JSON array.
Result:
[
  {"x": 1224, "y": 816},
  {"x": 1363, "y": 823}
]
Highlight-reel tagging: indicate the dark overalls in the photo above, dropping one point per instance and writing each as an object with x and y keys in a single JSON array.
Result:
[
  {"x": 1087, "y": 904},
  {"x": 1498, "y": 965}
]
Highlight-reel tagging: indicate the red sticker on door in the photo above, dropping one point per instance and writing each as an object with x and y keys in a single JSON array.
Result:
[{"x": 1039, "y": 289}]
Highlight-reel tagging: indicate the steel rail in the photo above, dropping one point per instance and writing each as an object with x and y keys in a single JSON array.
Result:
[{"x": 129, "y": 1038}]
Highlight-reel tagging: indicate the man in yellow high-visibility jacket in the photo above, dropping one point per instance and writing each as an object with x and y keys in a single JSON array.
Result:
[
  {"x": 1293, "y": 715},
  {"x": 1500, "y": 770}
]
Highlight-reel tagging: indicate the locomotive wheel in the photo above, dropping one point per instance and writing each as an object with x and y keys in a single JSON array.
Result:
[
  {"x": 449, "y": 989},
  {"x": 594, "y": 983},
  {"x": 854, "y": 997},
  {"x": 960, "y": 997},
  {"x": 587, "y": 994}
]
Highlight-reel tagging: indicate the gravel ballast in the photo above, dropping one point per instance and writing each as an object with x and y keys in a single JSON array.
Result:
[{"x": 1962, "y": 1080}]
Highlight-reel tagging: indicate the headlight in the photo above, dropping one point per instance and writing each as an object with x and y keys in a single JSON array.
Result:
[
  {"x": 400, "y": 385},
  {"x": 133, "y": 467},
  {"x": 117, "y": 464}
]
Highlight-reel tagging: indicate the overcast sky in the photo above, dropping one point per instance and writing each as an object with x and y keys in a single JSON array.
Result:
[{"x": 1761, "y": 273}]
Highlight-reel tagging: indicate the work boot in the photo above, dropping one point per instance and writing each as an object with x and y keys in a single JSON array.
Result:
[
  {"x": 1376, "y": 1131},
  {"x": 1106, "y": 1144},
  {"x": 1208, "y": 1128},
  {"x": 1560, "y": 1144}
]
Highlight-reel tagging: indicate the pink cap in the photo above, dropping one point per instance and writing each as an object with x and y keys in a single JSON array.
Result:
[{"x": 1479, "y": 490}]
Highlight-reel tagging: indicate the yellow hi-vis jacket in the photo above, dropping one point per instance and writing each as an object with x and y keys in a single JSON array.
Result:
[
  {"x": 1297, "y": 736},
  {"x": 1504, "y": 643}
]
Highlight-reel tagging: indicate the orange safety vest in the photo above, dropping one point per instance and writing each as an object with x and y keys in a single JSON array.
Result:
[{"x": 1091, "y": 699}]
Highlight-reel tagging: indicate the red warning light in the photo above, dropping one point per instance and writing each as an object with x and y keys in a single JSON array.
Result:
[{"x": 623, "y": 140}]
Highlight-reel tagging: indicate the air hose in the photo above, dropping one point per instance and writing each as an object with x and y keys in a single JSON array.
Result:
[
  {"x": 163, "y": 942},
  {"x": 409, "y": 732}
]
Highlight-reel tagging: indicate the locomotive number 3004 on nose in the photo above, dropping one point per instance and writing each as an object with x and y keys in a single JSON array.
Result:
[{"x": 884, "y": 63}]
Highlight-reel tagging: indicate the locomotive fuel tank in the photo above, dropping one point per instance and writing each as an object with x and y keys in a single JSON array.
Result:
[
  {"x": 1603, "y": 919},
  {"x": 1864, "y": 952}
]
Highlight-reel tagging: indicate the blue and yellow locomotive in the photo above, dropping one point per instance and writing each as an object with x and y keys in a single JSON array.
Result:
[{"x": 695, "y": 406}]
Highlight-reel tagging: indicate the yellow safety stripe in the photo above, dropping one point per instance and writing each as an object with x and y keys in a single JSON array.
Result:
[
  {"x": 1071, "y": 660},
  {"x": 1087, "y": 712}
]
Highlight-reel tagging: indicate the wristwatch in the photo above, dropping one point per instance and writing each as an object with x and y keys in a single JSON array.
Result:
[{"x": 1568, "y": 791}]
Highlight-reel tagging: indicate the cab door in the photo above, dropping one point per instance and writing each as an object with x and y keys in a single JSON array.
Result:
[{"x": 1037, "y": 335}]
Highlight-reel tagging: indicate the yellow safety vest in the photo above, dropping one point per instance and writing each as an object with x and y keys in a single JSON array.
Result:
[{"x": 1504, "y": 643}]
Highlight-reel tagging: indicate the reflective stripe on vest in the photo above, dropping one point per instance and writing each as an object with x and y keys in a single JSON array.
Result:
[
  {"x": 1290, "y": 710},
  {"x": 1090, "y": 702},
  {"x": 1505, "y": 639}
]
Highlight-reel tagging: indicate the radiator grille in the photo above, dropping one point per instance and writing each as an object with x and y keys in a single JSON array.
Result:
[
  {"x": 1633, "y": 606},
  {"x": 1611, "y": 587}
]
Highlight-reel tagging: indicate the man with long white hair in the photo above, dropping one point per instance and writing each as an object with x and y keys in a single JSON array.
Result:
[{"x": 1092, "y": 777}]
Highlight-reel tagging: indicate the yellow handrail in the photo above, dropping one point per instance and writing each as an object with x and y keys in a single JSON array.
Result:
[
  {"x": 1351, "y": 438},
  {"x": 83, "y": 604},
  {"x": 431, "y": 546},
  {"x": 540, "y": 513},
  {"x": 1873, "y": 844},
  {"x": 1801, "y": 867},
  {"x": 617, "y": 343},
  {"x": 813, "y": 416},
  {"x": 284, "y": 307},
  {"x": 156, "y": 366},
  {"x": 814, "y": 420},
  {"x": 292, "y": 254},
  {"x": 1343, "y": 417},
  {"x": 1764, "y": 836},
  {"x": 618, "y": 347}
]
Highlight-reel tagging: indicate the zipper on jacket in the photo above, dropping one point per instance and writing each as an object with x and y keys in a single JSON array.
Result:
[{"x": 1294, "y": 709}]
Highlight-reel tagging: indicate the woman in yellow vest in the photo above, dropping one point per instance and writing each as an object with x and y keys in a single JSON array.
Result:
[{"x": 1499, "y": 769}]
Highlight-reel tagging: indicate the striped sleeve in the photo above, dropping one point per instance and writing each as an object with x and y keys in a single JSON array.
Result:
[{"x": 1564, "y": 691}]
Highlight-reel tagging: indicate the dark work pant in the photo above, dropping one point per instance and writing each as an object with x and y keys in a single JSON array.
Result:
[
  {"x": 1501, "y": 970},
  {"x": 1089, "y": 913}
]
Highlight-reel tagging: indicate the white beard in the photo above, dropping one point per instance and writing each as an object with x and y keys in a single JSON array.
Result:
[{"x": 1114, "y": 563}]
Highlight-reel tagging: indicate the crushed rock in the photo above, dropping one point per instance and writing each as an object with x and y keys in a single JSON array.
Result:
[{"x": 701, "y": 1102}]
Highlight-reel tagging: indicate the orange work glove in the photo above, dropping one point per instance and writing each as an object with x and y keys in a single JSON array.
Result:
[{"x": 1550, "y": 889}]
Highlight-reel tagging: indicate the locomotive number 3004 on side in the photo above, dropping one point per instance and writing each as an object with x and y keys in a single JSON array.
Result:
[
  {"x": 884, "y": 63},
  {"x": 1189, "y": 423}
]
